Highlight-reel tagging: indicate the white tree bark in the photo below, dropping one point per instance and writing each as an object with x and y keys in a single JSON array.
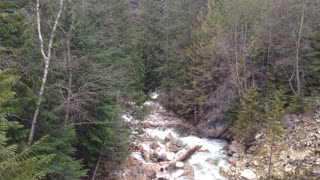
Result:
[
  {"x": 298, "y": 48},
  {"x": 46, "y": 58}
]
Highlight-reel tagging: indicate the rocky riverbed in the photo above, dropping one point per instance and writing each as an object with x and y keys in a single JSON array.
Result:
[{"x": 156, "y": 141}]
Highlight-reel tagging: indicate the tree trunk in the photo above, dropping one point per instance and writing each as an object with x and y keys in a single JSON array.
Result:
[
  {"x": 40, "y": 97},
  {"x": 270, "y": 160},
  {"x": 298, "y": 48},
  {"x": 46, "y": 58},
  {"x": 96, "y": 168},
  {"x": 181, "y": 157},
  {"x": 69, "y": 66}
]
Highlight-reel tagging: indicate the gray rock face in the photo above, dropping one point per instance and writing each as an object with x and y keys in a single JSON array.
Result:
[
  {"x": 285, "y": 121},
  {"x": 211, "y": 131},
  {"x": 219, "y": 102}
]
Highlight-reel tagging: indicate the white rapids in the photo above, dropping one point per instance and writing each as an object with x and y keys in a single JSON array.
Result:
[{"x": 205, "y": 163}]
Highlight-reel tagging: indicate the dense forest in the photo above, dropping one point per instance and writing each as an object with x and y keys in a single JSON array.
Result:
[{"x": 69, "y": 68}]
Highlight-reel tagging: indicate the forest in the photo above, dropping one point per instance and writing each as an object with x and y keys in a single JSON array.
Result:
[{"x": 70, "y": 68}]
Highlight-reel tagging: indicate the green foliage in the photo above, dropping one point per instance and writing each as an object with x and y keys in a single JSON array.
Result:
[
  {"x": 232, "y": 113},
  {"x": 61, "y": 142},
  {"x": 248, "y": 119},
  {"x": 105, "y": 136},
  {"x": 6, "y": 94},
  {"x": 24, "y": 165},
  {"x": 296, "y": 104},
  {"x": 17, "y": 162},
  {"x": 199, "y": 74},
  {"x": 313, "y": 66},
  {"x": 274, "y": 110}
]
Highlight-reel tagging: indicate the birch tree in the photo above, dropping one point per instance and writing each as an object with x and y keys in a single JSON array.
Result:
[
  {"x": 46, "y": 55},
  {"x": 298, "y": 42}
]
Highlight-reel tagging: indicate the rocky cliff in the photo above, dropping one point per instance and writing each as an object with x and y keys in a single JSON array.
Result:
[{"x": 297, "y": 154}]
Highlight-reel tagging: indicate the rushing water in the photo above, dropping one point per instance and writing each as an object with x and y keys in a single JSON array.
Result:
[{"x": 205, "y": 163}]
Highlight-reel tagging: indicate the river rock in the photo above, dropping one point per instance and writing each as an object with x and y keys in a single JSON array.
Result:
[
  {"x": 224, "y": 171},
  {"x": 248, "y": 174},
  {"x": 154, "y": 145},
  {"x": 179, "y": 164},
  {"x": 233, "y": 161},
  {"x": 213, "y": 161},
  {"x": 159, "y": 155},
  {"x": 288, "y": 168},
  {"x": 168, "y": 138},
  {"x": 170, "y": 156},
  {"x": 146, "y": 156}
]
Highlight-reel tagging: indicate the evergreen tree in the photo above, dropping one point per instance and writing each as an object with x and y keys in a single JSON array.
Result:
[
  {"x": 177, "y": 21},
  {"x": 103, "y": 141},
  {"x": 274, "y": 110},
  {"x": 199, "y": 74},
  {"x": 152, "y": 38},
  {"x": 248, "y": 119}
]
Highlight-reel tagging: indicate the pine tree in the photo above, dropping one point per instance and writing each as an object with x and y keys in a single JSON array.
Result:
[
  {"x": 103, "y": 141},
  {"x": 152, "y": 38},
  {"x": 274, "y": 110},
  {"x": 198, "y": 70},
  {"x": 248, "y": 120},
  {"x": 177, "y": 21}
]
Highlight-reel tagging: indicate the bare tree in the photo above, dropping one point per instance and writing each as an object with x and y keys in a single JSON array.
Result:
[
  {"x": 298, "y": 47},
  {"x": 69, "y": 65},
  {"x": 46, "y": 57}
]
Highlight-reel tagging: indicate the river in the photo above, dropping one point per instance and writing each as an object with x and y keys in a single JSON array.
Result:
[{"x": 205, "y": 163}]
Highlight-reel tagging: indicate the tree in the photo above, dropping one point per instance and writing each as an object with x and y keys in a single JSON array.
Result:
[
  {"x": 298, "y": 47},
  {"x": 274, "y": 110},
  {"x": 248, "y": 119},
  {"x": 46, "y": 58},
  {"x": 199, "y": 72}
]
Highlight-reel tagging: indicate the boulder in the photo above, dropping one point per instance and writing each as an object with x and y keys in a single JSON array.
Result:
[
  {"x": 170, "y": 156},
  {"x": 179, "y": 164},
  {"x": 154, "y": 145},
  {"x": 211, "y": 131},
  {"x": 289, "y": 168},
  {"x": 286, "y": 121},
  {"x": 168, "y": 138},
  {"x": 146, "y": 156},
  {"x": 215, "y": 125},
  {"x": 159, "y": 155},
  {"x": 316, "y": 172},
  {"x": 248, "y": 174},
  {"x": 233, "y": 161},
  {"x": 224, "y": 171}
]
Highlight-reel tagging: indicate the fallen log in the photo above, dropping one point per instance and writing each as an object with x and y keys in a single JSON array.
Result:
[{"x": 181, "y": 157}]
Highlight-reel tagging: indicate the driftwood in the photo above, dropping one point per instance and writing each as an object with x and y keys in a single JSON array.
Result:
[{"x": 181, "y": 157}]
